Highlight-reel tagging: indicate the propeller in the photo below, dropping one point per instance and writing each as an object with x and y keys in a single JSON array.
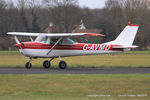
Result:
[{"x": 21, "y": 47}]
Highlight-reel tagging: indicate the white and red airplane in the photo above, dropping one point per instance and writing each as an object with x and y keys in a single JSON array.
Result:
[{"x": 60, "y": 45}]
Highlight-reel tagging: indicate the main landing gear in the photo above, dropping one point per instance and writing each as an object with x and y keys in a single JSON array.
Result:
[
  {"x": 47, "y": 64},
  {"x": 62, "y": 64}
]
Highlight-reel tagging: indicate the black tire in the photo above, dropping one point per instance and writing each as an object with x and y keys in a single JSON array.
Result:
[
  {"x": 28, "y": 65},
  {"x": 46, "y": 64},
  {"x": 62, "y": 65}
]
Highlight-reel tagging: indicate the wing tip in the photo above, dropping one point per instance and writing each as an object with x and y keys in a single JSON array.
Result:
[
  {"x": 94, "y": 34},
  {"x": 10, "y": 33}
]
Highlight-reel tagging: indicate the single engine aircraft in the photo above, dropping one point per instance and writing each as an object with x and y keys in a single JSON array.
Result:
[{"x": 60, "y": 45}]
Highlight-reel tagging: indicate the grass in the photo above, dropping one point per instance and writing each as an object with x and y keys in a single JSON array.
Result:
[
  {"x": 129, "y": 59},
  {"x": 9, "y": 53},
  {"x": 73, "y": 87},
  {"x": 77, "y": 87}
]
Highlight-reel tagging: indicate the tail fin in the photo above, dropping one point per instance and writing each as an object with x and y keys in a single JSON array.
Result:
[{"x": 127, "y": 36}]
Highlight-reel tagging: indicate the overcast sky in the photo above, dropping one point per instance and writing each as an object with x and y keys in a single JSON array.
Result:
[
  {"x": 92, "y": 3},
  {"x": 88, "y": 3}
]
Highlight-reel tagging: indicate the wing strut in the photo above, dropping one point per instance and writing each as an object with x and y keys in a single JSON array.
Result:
[
  {"x": 16, "y": 39},
  {"x": 54, "y": 45},
  {"x": 31, "y": 39}
]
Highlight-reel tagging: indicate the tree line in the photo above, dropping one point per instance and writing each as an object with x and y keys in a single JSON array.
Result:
[{"x": 35, "y": 16}]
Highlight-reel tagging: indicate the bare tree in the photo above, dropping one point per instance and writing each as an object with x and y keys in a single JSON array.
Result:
[
  {"x": 112, "y": 19},
  {"x": 3, "y": 18},
  {"x": 22, "y": 4},
  {"x": 62, "y": 13},
  {"x": 117, "y": 13},
  {"x": 34, "y": 6}
]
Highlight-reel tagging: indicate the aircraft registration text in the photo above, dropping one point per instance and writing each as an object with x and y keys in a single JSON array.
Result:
[{"x": 96, "y": 47}]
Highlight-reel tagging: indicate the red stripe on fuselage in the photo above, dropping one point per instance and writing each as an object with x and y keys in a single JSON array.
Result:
[
  {"x": 78, "y": 46},
  {"x": 37, "y": 45}
]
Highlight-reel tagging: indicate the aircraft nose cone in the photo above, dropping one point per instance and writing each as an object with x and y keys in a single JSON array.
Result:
[{"x": 18, "y": 45}]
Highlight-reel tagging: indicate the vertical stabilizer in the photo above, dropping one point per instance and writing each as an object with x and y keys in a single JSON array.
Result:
[{"x": 127, "y": 36}]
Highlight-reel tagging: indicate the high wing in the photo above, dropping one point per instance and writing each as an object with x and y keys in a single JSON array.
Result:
[{"x": 54, "y": 34}]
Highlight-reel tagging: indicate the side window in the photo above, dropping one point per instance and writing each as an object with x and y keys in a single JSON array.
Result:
[
  {"x": 54, "y": 40},
  {"x": 64, "y": 41},
  {"x": 44, "y": 39},
  {"x": 67, "y": 41}
]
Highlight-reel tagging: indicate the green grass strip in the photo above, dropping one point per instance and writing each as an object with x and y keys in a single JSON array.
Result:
[{"x": 74, "y": 87}]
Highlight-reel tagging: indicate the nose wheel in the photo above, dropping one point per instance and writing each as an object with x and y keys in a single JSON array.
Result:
[{"x": 28, "y": 65}]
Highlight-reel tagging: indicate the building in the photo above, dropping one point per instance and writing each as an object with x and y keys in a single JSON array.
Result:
[
  {"x": 82, "y": 29},
  {"x": 79, "y": 29}
]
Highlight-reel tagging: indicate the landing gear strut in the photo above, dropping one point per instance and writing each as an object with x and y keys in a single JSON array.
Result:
[
  {"x": 47, "y": 64},
  {"x": 28, "y": 65}
]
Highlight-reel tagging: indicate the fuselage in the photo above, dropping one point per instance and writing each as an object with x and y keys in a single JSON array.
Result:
[{"x": 40, "y": 50}]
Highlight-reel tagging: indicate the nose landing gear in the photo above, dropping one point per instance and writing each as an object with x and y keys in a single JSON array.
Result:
[{"x": 28, "y": 65}]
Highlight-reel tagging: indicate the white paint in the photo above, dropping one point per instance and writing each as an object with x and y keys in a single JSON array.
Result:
[
  {"x": 62, "y": 53},
  {"x": 126, "y": 37}
]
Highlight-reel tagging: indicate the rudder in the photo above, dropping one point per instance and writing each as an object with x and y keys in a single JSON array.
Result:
[{"x": 127, "y": 36}]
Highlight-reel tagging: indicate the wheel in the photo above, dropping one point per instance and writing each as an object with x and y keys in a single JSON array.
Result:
[
  {"x": 28, "y": 65},
  {"x": 62, "y": 65},
  {"x": 46, "y": 64}
]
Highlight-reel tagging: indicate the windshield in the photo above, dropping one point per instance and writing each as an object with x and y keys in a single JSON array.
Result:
[{"x": 41, "y": 38}]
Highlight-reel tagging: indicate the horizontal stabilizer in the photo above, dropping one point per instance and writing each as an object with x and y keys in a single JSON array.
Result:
[{"x": 123, "y": 47}]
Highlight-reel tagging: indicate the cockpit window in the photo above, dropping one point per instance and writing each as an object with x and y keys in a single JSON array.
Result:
[
  {"x": 48, "y": 40},
  {"x": 67, "y": 41},
  {"x": 64, "y": 41},
  {"x": 54, "y": 40}
]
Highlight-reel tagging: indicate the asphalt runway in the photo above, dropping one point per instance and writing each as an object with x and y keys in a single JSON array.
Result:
[{"x": 75, "y": 71}]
